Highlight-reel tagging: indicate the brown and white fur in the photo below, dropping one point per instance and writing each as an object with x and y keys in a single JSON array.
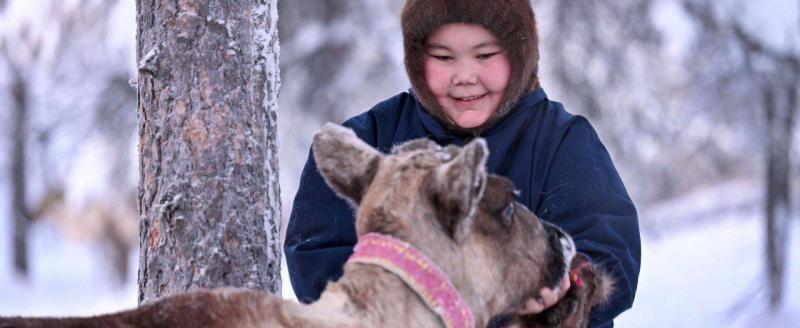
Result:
[{"x": 496, "y": 253}]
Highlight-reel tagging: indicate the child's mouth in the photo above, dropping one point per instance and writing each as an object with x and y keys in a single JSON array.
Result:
[{"x": 468, "y": 100}]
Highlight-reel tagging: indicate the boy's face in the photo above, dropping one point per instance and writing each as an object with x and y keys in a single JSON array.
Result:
[{"x": 467, "y": 71}]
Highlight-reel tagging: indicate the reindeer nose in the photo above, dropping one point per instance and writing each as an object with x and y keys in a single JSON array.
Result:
[{"x": 567, "y": 245}]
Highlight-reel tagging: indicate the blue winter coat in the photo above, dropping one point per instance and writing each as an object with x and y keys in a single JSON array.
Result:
[{"x": 555, "y": 159}]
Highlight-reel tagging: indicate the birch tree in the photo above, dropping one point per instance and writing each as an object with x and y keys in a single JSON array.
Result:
[{"x": 208, "y": 188}]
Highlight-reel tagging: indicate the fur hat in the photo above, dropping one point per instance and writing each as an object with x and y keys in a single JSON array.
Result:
[{"x": 511, "y": 21}]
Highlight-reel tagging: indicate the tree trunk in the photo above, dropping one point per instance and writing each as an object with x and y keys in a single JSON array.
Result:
[
  {"x": 779, "y": 119},
  {"x": 19, "y": 200},
  {"x": 208, "y": 187}
]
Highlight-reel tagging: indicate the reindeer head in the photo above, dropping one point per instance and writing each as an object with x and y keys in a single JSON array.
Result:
[{"x": 441, "y": 200}]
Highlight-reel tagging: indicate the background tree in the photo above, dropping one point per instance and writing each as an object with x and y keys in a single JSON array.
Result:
[
  {"x": 673, "y": 118},
  {"x": 67, "y": 72},
  {"x": 611, "y": 63},
  {"x": 679, "y": 103},
  {"x": 18, "y": 65},
  {"x": 748, "y": 77},
  {"x": 339, "y": 58},
  {"x": 209, "y": 194},
  {"x": 19, "y": 209}
]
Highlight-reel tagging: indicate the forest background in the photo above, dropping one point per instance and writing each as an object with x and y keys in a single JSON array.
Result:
[{"x": 696, "y": 100}]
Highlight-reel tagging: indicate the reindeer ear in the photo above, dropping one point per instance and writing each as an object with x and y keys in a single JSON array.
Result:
[
  {"x": 458, "y": 185},
  {"x": 347, "y": 163},
  {"x": 500, "y": 198}
]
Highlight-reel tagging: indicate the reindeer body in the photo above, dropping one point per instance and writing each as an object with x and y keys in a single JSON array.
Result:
[{"x": 494, "y": 251}]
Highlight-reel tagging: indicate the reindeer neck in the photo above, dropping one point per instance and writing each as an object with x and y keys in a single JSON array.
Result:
[
  {"x": 386, "y": 266},
  {"x": 378, "y": 298}
]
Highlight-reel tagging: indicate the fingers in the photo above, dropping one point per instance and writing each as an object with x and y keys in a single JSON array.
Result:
[
  {"x": 547, "y": 298},
  {"x": 533, "y": 305},
  {"x": 565, "y": 284}
]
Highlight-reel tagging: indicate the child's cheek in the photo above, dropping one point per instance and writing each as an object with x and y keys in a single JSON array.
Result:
[
  {"x": 436, "y": 77},
  {"x": 497, "y": 73}
]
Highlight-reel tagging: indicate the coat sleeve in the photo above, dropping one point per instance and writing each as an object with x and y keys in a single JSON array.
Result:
[
  {"x": 321, "y": 232},
  {"x": 585, "y": 195}
]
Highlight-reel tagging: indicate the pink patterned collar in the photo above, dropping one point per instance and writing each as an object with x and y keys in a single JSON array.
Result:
[{"x": 419, "y": 272}]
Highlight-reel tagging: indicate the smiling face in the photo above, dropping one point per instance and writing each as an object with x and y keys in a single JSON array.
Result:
[{"x": 467, "y": 70}]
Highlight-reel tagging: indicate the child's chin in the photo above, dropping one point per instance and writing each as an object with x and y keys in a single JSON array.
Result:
[
  {"x": 471, "y": 117},
  {"x": 469, "y": 123}
]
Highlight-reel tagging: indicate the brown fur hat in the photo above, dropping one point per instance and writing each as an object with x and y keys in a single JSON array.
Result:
[{"x": 511, "y": 21}]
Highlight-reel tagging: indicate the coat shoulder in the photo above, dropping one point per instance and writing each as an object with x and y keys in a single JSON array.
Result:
[{"x": 385, "y": 117}]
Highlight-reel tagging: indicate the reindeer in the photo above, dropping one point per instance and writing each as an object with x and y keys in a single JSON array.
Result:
[{"x": 441, "y": 243}]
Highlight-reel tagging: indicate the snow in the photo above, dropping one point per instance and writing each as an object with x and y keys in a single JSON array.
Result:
[
  {"x": 121, "y": 37},
  {"x": 712, "y": 276},
  {"x": 777, "y": 22},
  {"x": 90, "y": 175},
  {"x": 774, "y": 22},
  {"x": 669, "y": 16},
  {"x": 67, "y": 278},
  {"x": 702, "y": 253},
  {"x": 707, "y": 275},
  {"x": 706, "y": 204}
]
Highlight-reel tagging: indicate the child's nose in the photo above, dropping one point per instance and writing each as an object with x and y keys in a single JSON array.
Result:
[{"x": 465, "y": 74}]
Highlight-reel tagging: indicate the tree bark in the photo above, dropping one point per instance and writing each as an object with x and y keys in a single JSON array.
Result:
[
  {"x": 208, "y": 194},
  {"x": 19, "y": 200}
]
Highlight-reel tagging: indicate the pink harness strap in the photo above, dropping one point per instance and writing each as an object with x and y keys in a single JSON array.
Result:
[{"x": 419, "y": 272}]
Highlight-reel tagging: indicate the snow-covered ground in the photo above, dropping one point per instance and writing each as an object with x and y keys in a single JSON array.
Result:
[
  {"x": 67, "y": 277},
  {"x": 707, "y": 275},
  {"x": 712, "y": 276}
]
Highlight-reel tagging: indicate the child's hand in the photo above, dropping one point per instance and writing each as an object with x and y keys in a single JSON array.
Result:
[{"x": 547, "y": 298}]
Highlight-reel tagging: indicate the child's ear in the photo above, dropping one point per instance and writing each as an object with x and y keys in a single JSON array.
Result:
[
  {"x": 458, "y": 185},
  {"x": 347, "y": 163}
]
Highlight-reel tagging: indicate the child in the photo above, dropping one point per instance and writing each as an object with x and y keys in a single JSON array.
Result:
[{"x": 473, "y": 66}]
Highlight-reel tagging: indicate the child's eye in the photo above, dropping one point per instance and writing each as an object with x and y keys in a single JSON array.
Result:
[
  {"x": 486, "y": 56},
  {"x": 443, "y": 58}
]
